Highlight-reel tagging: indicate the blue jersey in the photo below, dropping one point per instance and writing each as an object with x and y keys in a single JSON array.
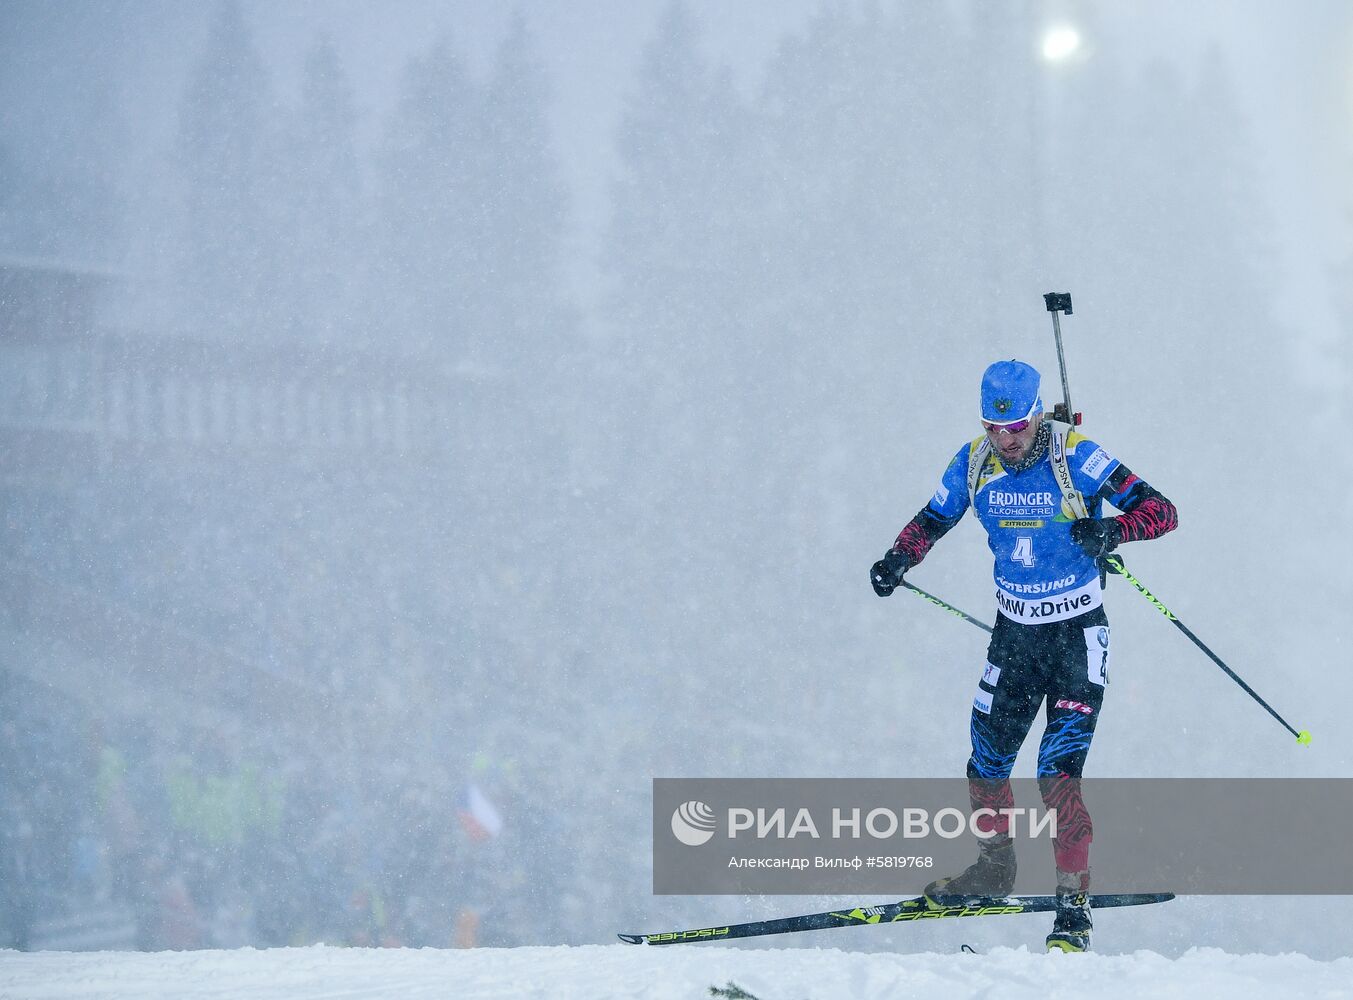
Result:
[{"x": 1041, "y": 574}]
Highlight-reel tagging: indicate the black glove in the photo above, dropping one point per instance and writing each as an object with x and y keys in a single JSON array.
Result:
[
  {"x": 886, "y": 574},
  {"x": 1097, "y": 538}
]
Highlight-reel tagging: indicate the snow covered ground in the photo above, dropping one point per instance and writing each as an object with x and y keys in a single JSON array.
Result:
[{"x": 672, "y": 973}]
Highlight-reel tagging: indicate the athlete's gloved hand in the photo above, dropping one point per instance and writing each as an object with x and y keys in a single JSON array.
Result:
[
  {"x": 886, "y": 574},
  {"x": 1097, "y": 538}
]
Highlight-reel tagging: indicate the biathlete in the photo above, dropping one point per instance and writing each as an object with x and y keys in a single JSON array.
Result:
[{"x": 1038, "y": 487}]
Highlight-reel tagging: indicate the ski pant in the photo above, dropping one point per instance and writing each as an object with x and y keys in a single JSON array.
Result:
[{"x": 1065, "y": 663}]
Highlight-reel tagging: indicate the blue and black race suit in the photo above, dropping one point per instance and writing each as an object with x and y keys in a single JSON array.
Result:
[{"x": 1051, "y": 639}]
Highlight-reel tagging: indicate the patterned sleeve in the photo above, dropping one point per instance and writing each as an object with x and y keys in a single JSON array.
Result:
[
  {"x": 1146, "y": 512},
  {"x": 944, "y": 510}
]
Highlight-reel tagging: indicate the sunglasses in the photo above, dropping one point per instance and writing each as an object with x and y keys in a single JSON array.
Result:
[{"x": 1014, "y": 427}]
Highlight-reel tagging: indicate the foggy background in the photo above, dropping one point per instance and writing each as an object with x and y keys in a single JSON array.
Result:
[{"x": 411, "y": 407}]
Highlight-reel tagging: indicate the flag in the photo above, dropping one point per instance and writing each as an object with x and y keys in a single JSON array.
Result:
[{"x": 478, "y": 815}]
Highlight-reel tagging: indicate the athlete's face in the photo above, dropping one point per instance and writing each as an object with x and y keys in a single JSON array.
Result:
[{"x": 1013, "y": 445}]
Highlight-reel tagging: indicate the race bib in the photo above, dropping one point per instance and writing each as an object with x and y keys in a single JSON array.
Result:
[{"x": 1097, "y": 654}]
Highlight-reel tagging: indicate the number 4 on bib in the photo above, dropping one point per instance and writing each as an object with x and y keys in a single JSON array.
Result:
[{"x": 1024, "y": 550}]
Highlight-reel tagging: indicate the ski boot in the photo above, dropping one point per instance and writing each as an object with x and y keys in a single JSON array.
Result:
[
  {"x": 993, "y": 874},
  {"x": 1071, "y": 929}
]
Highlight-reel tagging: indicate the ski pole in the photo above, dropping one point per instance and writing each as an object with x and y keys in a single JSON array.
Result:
[
  {"x": 1115, "y": 563},
  {"x": 946, "y": 606}
]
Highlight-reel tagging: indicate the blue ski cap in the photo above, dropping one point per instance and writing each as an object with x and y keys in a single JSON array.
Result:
[{"x": 1010, "y": 392}]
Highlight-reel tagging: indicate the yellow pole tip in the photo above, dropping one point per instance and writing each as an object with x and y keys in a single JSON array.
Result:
[{"x": 1304, "y": 737}]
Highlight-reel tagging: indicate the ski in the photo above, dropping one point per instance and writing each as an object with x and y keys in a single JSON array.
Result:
[{"x": 918, "y": 908}]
